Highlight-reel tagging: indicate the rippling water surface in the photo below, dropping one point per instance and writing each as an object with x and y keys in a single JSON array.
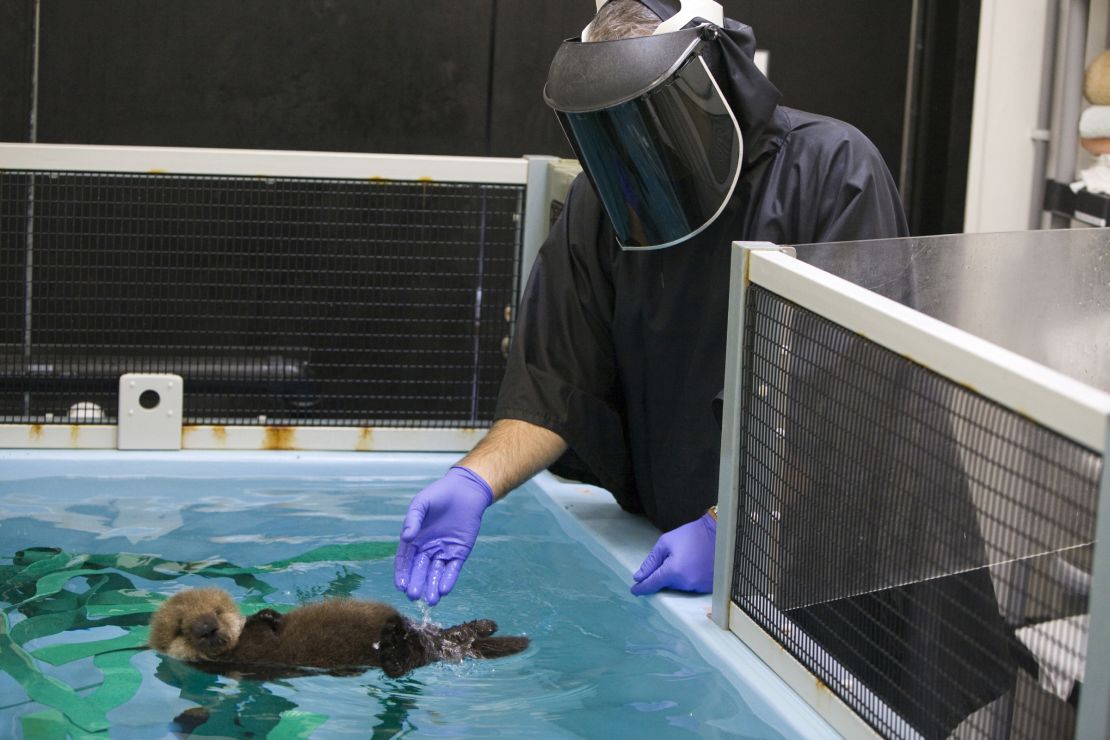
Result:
[{"x": 602, "y": 663}]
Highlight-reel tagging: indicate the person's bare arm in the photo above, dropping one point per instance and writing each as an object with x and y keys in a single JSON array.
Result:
[{"x": 512, "y": 452}]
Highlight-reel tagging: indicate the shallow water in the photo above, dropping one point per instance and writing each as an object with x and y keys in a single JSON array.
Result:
[{"x": 602, "y": 663}]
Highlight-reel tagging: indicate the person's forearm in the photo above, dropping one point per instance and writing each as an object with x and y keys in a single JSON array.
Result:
[{"x": 512, "y": 452}]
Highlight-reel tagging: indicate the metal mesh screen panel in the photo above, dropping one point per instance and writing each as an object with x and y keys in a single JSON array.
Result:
[
  {"x": 306, "y": 301},
  {"x": 923, "y": 551}
]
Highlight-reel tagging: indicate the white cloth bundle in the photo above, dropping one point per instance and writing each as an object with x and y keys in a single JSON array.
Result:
[{"x": 1094, "y": 123}]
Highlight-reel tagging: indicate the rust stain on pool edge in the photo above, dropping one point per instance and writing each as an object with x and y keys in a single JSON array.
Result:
[
  {"x": 279, "y": 438},
  {"x": 365, "y": 441},
  {"x": 35, "y": 432},
  {"x": 219, "y": 434}
]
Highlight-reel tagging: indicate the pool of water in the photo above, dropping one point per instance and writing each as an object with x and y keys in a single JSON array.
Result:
[{"x": 89, "y": 547}]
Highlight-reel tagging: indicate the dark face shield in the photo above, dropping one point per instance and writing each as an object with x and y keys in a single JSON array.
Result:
[{"x": 652, "y": 131}]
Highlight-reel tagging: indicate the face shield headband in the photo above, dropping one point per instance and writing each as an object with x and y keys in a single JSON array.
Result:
[{"x": 652, "y": 131}]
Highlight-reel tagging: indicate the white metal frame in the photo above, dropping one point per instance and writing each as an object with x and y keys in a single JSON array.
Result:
[
  {"x": 1094, "y": 702},
  {"x": 253, "y": 437},
  {"x": 1069, "y": 407},
  {"x": 724, "y": 612},
  {"x": 1061, "y": 403},
  {"x": 262, "y": 163},
  {"x": 532, "y": 172}
]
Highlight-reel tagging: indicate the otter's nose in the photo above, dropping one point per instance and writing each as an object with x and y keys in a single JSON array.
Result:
[{"x": 205, "y": 629}]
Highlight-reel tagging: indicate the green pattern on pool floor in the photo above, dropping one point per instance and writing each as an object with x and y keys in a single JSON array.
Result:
[{"x": 35, "y": 586}]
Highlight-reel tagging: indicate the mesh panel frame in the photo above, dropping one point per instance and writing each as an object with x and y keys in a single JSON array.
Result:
[
  {"x": 904, "y": 537},
  {"x": 307, "y": 301}
]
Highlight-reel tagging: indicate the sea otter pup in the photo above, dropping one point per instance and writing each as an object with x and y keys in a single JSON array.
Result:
[{"x": 204, "y": 627}]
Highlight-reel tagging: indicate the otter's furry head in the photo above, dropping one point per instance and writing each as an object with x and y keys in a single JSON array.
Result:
[{"x": 196, "y": 625}]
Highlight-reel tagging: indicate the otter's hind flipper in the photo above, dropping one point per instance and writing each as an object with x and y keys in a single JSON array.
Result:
[
  {"x": 474, "y": 638},
  {"x": 467, "y": 631},
  {"x": 404, "y": 646},
  {"x": 498, "y": 647}
]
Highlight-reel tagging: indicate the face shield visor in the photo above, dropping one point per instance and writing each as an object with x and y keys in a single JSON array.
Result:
[{"x": 652, "y": 131}]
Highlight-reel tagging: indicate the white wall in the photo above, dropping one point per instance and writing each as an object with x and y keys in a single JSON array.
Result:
[
  {"x": 1007, "y": 105},
  {"x": 1012, "y": 58}
]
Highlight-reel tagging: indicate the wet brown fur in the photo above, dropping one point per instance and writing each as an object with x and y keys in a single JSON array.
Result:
[{"x": 204, "y": 626}]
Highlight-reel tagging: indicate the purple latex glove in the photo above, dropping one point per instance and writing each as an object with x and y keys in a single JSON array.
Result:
[
  {"x": 439, "y": 531},
  {"x": 682, "y": 559}
]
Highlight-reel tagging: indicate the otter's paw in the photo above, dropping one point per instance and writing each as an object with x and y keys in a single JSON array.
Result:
[
  {"x": 401, "y": 648},
  {"x": 190, "y": 719},
  {"x": 268, "y": 617}
]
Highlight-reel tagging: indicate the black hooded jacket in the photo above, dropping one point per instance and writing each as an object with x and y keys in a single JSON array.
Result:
[{"x": 621, "y": 353}]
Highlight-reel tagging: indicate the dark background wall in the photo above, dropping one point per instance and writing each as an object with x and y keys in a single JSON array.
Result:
[
  {"x": 845, "y": 59},
  {"x": 16, "y": 37},
  {"x": 939, "y": 134},
  {"x": 395, "y": 76}
]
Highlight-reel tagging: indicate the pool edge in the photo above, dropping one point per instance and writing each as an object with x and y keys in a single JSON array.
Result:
[{"x": 622, "y": 540}]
